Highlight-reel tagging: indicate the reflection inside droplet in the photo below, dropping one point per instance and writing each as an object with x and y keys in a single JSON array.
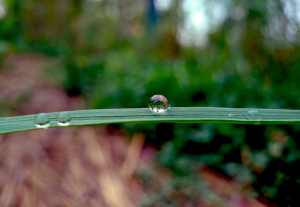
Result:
[{"x": 158, "y": 104}]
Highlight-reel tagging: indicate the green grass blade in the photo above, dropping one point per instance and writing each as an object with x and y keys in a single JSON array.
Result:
[{"x": 174, "y": 114}]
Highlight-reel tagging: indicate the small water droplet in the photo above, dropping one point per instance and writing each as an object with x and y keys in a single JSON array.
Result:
[
  {"x": 158, "y": 104},
  {"x": 253, "y": 114},
  {"x": 64, "y": 119},
  {"x": 230, "y": 115},
  {"x": 42, "y": 121},
  {"x": 252, "y": 111}
]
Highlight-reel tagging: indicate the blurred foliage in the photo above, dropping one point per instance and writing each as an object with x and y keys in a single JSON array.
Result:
[{"x": 119, "y": 53}]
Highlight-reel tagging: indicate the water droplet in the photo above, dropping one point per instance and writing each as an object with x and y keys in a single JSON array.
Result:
[
  {"x": 64, "y": 119},
  {"x": 230, "y": 115},
  {"x": 42, "y": 121},
  {"x": 253, "y": 114},
  {"x": 158, "y": 104},
  {"x": 252, "y": 111}
]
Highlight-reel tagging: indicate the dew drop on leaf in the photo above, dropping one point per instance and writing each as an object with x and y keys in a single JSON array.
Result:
[
  {"x": 64, "y": 119},
  {"x": 158, "y": 104},
  {"x": 252, "y": 111},
  {"x": 253, "y": 114},
  {"x": 230, "y": 115},
  {"x": 42, "y": 121}
]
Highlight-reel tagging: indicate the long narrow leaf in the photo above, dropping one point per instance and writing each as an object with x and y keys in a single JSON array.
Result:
[{"x": 174, "y": 114}]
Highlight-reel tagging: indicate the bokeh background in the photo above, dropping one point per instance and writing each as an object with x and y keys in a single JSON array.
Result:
[{"x": 78, "y": 54}]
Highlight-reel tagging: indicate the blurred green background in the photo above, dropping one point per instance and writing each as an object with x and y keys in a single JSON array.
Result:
[{"x": 228, "y": 53}]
